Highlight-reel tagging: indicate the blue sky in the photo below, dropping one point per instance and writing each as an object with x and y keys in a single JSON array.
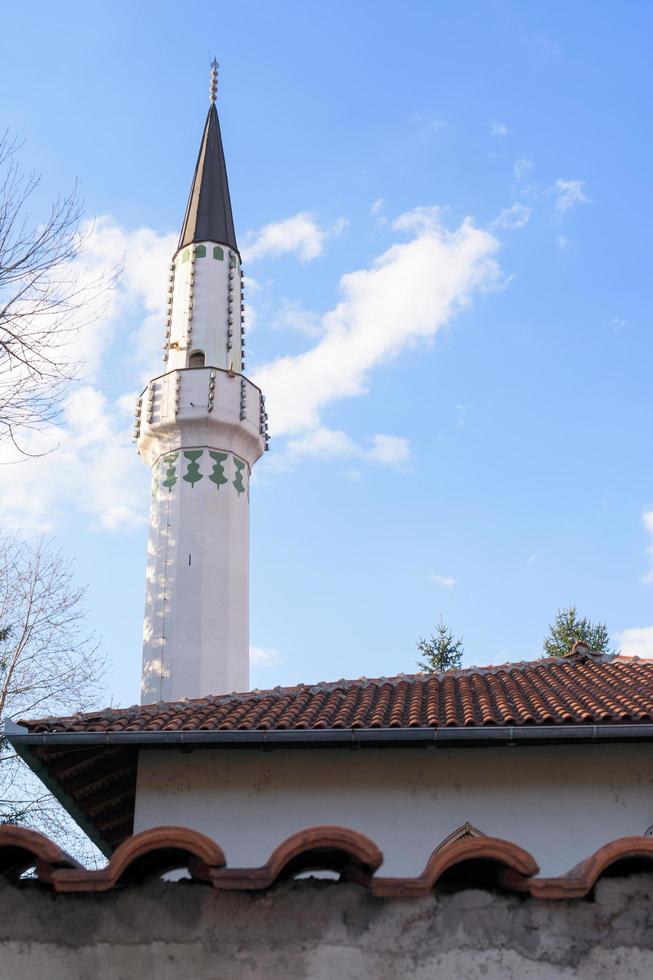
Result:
[{"x": 479, "y": 451}]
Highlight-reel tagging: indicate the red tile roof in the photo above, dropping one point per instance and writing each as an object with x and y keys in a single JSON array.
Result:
[
  {"x": 93, "y": 768},
  {"x": 581, "y": 690}
]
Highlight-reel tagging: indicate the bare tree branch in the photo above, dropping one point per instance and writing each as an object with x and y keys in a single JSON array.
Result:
[
  {"x": 49, "y": 664},
  {"x": 44, "y": 301}
]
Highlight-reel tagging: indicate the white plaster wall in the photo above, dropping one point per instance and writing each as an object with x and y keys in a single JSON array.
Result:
[
  {"x": 196, "y": 624},
  {"x": 560, "y": 803}
]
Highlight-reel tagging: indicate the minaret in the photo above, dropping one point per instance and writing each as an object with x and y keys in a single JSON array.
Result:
[{"x": 200, "y": 427}]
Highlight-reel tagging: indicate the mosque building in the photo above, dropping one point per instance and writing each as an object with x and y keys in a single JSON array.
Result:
[{"x": 548, "y": 758}]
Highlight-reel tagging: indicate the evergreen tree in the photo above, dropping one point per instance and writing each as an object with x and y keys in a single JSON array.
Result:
[
  {"x": 441, "y": 652},
  {"x": 568, "y": 627}
]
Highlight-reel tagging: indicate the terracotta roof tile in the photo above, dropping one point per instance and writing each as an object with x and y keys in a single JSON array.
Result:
[
  {"x": 628, "y": 853},
  {"x": 584, "y": 689},
  {"x": 458, "y": 861}
]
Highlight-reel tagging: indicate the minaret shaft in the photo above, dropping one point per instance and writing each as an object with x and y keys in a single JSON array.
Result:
[
  {"x": 200, "y": 426},
  {"x": 201, "y": 431}
]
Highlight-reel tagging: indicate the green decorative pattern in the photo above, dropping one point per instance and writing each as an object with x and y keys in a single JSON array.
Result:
[
  {"x": 217, "y": 473},
  {"x": 216, "y": 469},
  {"x": 192, "y": 474},
  {"x": 200, "y": 251},
  {"x": 238, "y": 479},
  {"x": 218, "y": 253},
  {"x": 171, "y": 476}
]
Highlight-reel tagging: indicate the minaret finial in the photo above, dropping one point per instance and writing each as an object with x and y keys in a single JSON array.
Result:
[{"x": 213, "y": 88}]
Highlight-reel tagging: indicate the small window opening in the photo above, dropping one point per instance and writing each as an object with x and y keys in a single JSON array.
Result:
[
  {"x": 218, "y": 253},
  {"x": 200, "y": 251},
  {"x": 196, "y": 359}
]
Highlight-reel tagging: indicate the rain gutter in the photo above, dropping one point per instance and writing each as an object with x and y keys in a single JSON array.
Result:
[{"x": 19, "y": 736}]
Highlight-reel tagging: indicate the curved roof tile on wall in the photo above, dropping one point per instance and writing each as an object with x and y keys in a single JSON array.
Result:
[{"x": 477, "y": 862}]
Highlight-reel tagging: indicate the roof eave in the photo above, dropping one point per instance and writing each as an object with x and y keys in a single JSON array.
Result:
[
  {"x": 18, "y": 735},
  {"x": 40, "y": 769}
]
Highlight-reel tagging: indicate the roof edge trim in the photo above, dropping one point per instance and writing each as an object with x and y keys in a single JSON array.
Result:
[{"x": 356, "y": 737}]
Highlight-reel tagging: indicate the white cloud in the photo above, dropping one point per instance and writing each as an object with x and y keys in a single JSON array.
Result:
[
  {"x": 431, "y": 126},
  {"x": 264, "y": 657},
  {"x": 389, "y": 450},
  {"x": 90, "y": 466},
  {"x": 141, "y": 258},
  {"x": 323, "y": 443},
  {"x": 89, "y": 462},
  {"x": 564, "y": 243},
  {"x": 619, "y": 323},
  {"x": 569, "y": 193},
  {"x": 144, "y": 256},
  {"x": 522, "y": 167},
  {"x": 293, "y": 316},
  {"x": 251, "y": 285},
  {"x": 407, "y": 295},
  {"x": 516, "y": 216},
  {"x": 498, "y": 129},
  {"x": 426, "y": 128},
  {"x": 636, "y": 642},
  {"x": 420, "y": 219},
  {"x": 446, "y": 581},
  {"x": 376, "y": 210},
  {"x": 647, "y": 519},
  {"x": 299, "y": 234}
]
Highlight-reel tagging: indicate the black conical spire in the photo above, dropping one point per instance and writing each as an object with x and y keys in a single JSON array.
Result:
[{"x": 208, "y": 212}]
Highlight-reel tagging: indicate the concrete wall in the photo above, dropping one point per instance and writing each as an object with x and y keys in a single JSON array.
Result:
[
  {"x": 560, "y": 803},
  {"x": 323, "y": 931}
]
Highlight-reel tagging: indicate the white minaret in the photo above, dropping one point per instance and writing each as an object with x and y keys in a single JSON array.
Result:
[{"x": 200, "y": 427}]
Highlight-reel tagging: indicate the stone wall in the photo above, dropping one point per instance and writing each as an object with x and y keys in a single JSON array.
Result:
[{"x": 323, "y": 930}]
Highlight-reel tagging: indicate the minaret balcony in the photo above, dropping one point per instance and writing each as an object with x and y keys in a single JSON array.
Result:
[{"x": 205, "y": 406}]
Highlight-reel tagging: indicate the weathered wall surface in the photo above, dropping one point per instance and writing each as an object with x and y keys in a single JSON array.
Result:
[
  {"x": 560, "y": 803},
  {"x": 311, "y": 930}
]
